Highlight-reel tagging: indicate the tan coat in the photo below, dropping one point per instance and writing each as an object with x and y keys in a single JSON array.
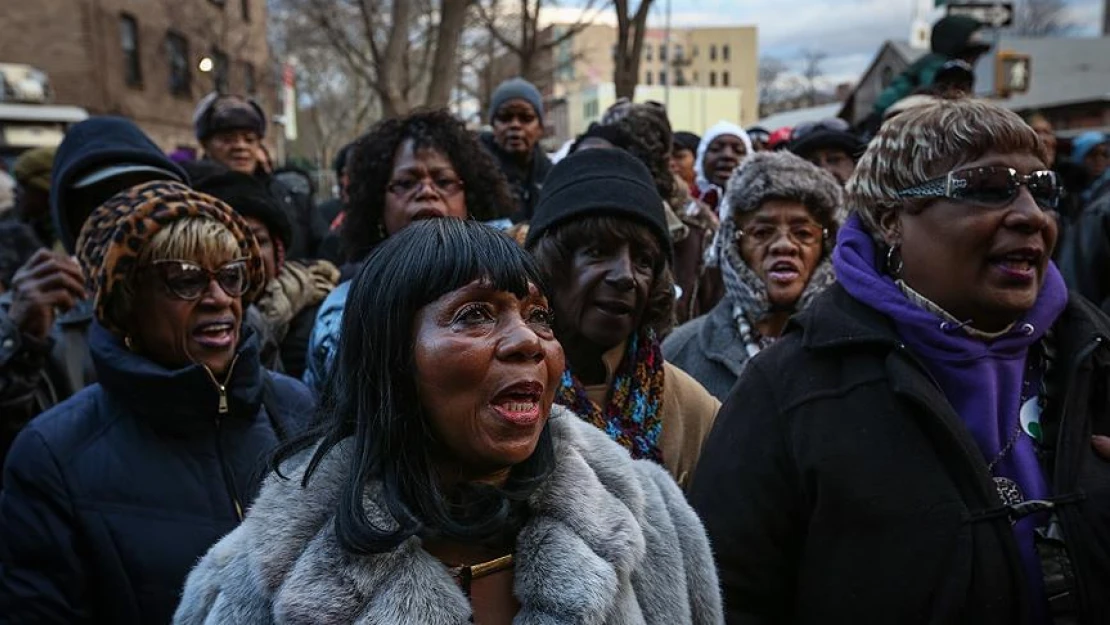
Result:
[{"x": 688, "y": 412}]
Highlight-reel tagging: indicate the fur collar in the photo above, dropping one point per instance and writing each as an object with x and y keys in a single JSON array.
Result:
[{"x": 611, "y": 541}]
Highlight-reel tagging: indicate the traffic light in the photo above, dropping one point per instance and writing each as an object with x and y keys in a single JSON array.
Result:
[{"x": 1012, "y": 72}]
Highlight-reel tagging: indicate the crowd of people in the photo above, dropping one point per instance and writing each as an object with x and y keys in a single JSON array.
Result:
[{"x": 816, "y": 374}]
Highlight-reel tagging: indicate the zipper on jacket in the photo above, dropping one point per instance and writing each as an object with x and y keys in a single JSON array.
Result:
[
  {"x": 222, "y": 409},
  {"x": 1067, "y": 515}
]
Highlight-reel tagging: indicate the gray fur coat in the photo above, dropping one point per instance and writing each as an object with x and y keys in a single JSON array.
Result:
[{"x": 610, "y": 541}]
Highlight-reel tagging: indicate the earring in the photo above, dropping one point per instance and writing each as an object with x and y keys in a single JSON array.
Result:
[
  {"x": 127, "y": 343},
  {"x": 381, "y": 231},
  {"x": 891, "y": 268}
]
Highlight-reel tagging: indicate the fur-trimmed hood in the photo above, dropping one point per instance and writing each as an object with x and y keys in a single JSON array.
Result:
[{"x": 610, "y": 541}]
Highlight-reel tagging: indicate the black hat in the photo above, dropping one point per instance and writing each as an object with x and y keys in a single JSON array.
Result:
[
  {"x": 599, "y": 182},
  {"x": 218, "y": 113},
  {"x": 826, "y": 133},
  {"x": 250, "y": 198}
]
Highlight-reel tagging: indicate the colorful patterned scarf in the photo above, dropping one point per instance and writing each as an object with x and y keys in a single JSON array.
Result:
[{"x": 632, "y": 413}]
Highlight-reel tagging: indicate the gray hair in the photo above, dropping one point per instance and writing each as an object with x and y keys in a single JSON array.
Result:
[{"x": 926, "y": 142}]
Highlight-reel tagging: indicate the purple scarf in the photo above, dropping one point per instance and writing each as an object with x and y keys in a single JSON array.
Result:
[{"x": 982, "y": 381}]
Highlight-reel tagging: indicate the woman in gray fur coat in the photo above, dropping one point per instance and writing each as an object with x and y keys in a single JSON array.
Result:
[
  {"x": 779, "y": 219},
  {"x": 443, "y": 487}
]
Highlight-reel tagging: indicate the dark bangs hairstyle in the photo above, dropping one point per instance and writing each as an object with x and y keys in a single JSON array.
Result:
[
  {"x": 370, "y": 167},
  {"x": 373, "y": 399},
  {"x": 554, "y": 252}
]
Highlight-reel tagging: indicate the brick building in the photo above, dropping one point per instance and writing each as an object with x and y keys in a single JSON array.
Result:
[{"x": 142, "y": 59}]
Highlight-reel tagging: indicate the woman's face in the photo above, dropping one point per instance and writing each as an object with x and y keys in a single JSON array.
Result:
[
  {"x": 177, "y": 332},
  {"x": 782, "y": 244},
  {"x": 980, "y": 263},
  {"x": 487, "y": 368},
  {"x": 603, "y": 296},
  {"x": 423, "y": 185},
  {"x": 722, "y": 155},
  {"x": 265, "y": 245}
]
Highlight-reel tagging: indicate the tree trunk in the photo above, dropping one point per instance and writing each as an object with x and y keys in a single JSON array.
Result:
[
  {"x": 630, "y": 43},
  {"x": 394, "y": 102},
  {"x": 445, "y": 67}
]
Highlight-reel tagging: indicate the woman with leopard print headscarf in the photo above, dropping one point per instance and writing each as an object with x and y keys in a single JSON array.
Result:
[
  {"x": 111, "y": 497},
  {"x": 779, "y": 218}
]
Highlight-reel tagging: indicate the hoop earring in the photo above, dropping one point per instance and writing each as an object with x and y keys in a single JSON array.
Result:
[{"x": 895, "y": 271}]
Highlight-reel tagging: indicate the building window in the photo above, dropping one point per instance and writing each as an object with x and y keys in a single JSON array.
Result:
[
  {"x": 219, "y": 70},
  {"x": 250, "y": 85},
  {"x": 695, "y": 76},
  {"x": 713, "y": 52},
  {"x": 219, "y": 3},
  {"x": 245, "y": 9},
  {"x": 663, "y": 52},
  {"x": 663, "y": 78},
  {"x": 647, "y": 52},
  {"x": 694, "y": 52},
  {"x": 712, "y": 79},
  {"x": 678, "y": 52},
  {"x": 181, "y": 78},
  {"x": 724, "y": 79},
  {"x": 886, "y": 76},
  {"x": 129, "y": 41},
  {"x": 725, "y": 52},
  {"x": 647, "y": 77},
  {"x": 613, "y": 51}
]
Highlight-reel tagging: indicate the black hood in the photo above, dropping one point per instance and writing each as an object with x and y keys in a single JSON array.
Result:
[
  {"x": 951, "y": 34},
  {"x": 93, "y": 144}
]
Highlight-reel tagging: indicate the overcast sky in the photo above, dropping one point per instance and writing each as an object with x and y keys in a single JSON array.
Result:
[{"x": 849, "y": 31}]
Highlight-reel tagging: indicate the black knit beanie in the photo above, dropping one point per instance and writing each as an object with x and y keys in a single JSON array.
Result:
[
  {"x": 599, "y": 182},
  {"x": 250, "y": 198}
]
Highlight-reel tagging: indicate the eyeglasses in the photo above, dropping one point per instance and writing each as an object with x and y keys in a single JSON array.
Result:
[
  {"x": 189, "y": 281},
  {"x": 990, "y": 186},
  {"x": 804, "y": 235},
  {"x": 445, "y": 186}
]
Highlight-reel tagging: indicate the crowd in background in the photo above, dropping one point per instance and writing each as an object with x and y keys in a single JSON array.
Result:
[{"x": 762, "y": 375}]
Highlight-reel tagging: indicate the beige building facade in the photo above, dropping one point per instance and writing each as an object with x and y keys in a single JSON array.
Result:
[
  {"x": 703, "y": 74},
  {"x": 141, "y": 59}
]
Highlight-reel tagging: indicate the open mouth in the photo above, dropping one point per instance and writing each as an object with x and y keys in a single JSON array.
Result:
[
  {"x": 614, "y": 307},
  {"x": 519, "y": 403},
  {"x": 1019, "y": 264},
  {"x": 783, "y": 272},
  {"x": 428, "y": 213},
  {"x": 215, "y": 334}
]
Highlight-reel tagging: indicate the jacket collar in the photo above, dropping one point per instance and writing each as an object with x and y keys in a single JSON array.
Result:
[
  {"x": 719, "y": 339},
  {"x": 573, "y": 557},
  {"x": 176, "y": 399},
  {"x": 836, "y": 319}
]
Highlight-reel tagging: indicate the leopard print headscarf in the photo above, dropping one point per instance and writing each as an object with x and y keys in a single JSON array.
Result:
[{"x": 116, "y": 232}]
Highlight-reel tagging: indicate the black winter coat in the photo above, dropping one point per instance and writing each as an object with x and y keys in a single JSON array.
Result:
[
  {"x": 112, "y": 496},
  {"x": 1084, "y": 250},
  {"x": 525, "y": 185},
  {"x": 839, "y": 485}
]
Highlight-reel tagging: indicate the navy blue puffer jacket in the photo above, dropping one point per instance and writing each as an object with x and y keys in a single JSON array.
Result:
[{"x": 112, "y": 496}]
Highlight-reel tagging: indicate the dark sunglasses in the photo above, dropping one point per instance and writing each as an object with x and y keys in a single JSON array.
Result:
[
  {"x": 189, "y": 281},
  {"x": 990, "y": 186}
]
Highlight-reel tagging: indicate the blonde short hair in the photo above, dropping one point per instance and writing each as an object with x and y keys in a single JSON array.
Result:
[
  {"x": 926, "y": 142},
  {"x": 199, "y": 240}
]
